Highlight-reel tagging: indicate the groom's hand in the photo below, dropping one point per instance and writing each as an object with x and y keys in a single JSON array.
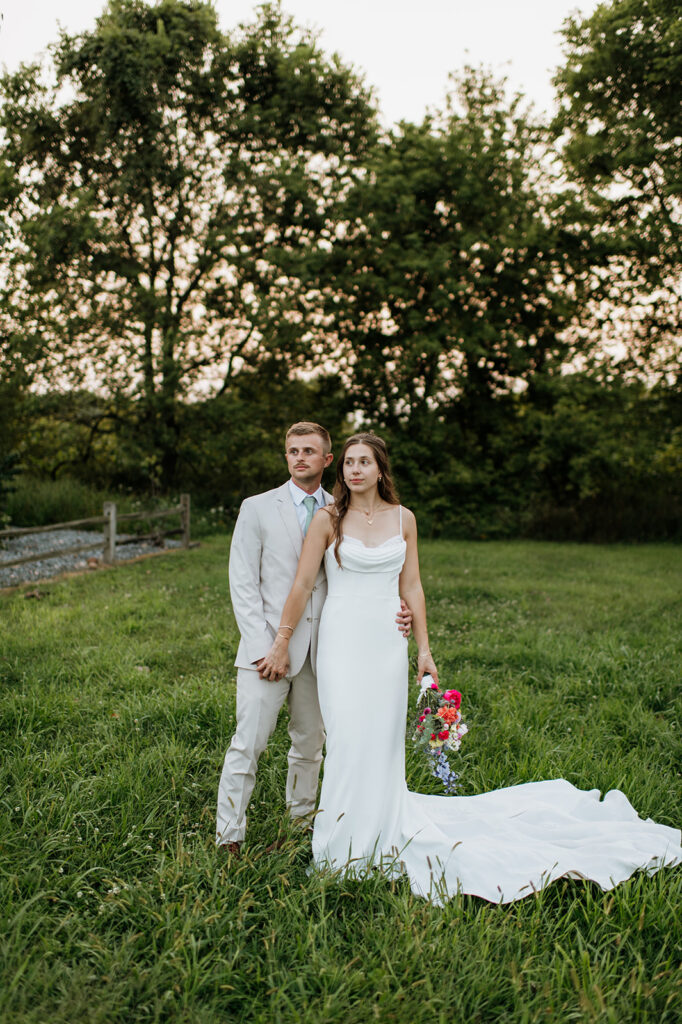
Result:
[
  {"x": 404, "y": 619},
  {"x": 275, "y": 665}
]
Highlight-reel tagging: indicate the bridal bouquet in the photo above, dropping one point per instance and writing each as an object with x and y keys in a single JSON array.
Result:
[{"x": 439, "y": 729}]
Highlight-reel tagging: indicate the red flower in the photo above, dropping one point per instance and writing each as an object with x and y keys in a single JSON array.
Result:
[
  {"x": 443, "y": 735},
  {"x": 453, "y": 697},
  {"x": 433, "y": 735}
]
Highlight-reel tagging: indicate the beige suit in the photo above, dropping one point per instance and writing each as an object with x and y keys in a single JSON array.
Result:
[{"x": 266, "y": 545}]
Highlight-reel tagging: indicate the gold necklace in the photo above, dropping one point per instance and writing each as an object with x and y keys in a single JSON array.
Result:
[{"x": 369, "y": 519}]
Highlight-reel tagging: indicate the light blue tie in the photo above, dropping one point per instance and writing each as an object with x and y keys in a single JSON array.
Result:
[{"x": 309, "y": 503}]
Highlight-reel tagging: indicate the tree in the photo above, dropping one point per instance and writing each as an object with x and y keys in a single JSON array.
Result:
[
  {"x": 460, "y": 269},
  {"x": 620, "y": 122},
  {"x": 163, "y": 196}
]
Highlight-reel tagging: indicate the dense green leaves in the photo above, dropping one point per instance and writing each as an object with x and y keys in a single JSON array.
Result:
[
  {"x": 460, "y": 264},
  {"x": 607, "y": 462},
  {"x": 620, "y": 123},
  {"x": 620, "y": 108},
  {"x": 163, "y": 211}
]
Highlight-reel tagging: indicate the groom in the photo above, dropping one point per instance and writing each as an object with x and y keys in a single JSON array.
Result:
[{"x": 266, "y": 545}]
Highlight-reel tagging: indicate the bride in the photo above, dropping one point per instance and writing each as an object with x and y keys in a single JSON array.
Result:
[{"x": 502, "y": 845}]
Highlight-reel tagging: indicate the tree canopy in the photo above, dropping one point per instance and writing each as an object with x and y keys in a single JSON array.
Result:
[
  {"x": 163, "y": 195},
  {"x": 620, "y": 122},
  {"x": 461, "y": 263}
]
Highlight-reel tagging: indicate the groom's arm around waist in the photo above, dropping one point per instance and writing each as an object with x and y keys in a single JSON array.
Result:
[{"x": 245, "y": 582}]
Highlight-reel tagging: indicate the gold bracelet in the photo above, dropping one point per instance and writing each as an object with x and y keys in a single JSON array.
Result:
[
  {"x": 283, "y": 635},
  {"x": 287, "y": 627}
]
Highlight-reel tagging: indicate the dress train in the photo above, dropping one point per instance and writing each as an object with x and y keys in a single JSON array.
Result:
[{"x": 502, "y": 845}]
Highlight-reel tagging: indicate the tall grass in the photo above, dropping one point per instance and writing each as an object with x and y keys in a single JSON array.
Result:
[
  {"x": 35, "y": 501},
  {"x": 118, "y": 702},
  {"x": 39, "y": 502}
]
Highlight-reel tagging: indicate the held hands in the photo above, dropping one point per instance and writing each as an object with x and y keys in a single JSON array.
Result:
[
  {"x": 426, "y": 665},
  {"x": 275, "y": 664},
  {"x": 404, "y": 619}
]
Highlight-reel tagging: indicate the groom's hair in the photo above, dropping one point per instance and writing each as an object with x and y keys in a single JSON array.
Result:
[{"x": 302, "y": 428}]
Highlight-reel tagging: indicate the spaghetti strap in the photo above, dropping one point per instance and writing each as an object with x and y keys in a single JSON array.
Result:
[{"x": 400, "y": 509}]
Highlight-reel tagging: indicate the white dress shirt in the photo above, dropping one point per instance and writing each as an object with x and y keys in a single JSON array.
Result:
[{"x": 298, "y": 494}]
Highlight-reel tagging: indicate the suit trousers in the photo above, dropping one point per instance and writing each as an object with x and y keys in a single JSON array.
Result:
[{"x": 258, "y": 705}]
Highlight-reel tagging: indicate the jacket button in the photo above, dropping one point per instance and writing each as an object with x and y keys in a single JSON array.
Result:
[{"x": 309, "y": 619}]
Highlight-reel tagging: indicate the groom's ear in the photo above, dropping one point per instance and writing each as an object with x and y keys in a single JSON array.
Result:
[{"x": 328, "y": 459}]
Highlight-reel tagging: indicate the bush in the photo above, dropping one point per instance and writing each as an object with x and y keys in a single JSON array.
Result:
[
  {"x": 8, "y": 471},
  {"x": 607, "y": 465},
  {"x": 583, "y": 460},
  {"x": 36, "y": 502}
]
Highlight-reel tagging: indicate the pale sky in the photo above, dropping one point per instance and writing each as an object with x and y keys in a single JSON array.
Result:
[{"x": 405, "y": 50}]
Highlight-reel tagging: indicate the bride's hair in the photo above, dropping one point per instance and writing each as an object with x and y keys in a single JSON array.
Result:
[{"x": 385, "y": 484}]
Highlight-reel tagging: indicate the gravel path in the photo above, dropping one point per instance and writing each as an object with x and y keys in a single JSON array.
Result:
[{"x": 34, "y": 543}]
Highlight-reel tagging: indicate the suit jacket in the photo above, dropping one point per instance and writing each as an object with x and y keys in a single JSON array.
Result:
[{"x": 266, "y": 545}]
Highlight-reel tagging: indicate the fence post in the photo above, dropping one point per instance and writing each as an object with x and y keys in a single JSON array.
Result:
[
  {"x": 109, "y": 552},
  {"x": 184, "y": 519}
]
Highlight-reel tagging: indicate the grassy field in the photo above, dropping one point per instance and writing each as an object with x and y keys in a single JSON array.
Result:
[{"x": 117, "y": 703}]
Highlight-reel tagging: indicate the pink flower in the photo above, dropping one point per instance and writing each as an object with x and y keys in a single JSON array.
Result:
[
  {"x": 434, "y": 686},
  {"x": 427, "y": 711},
  {"x": 453, "y": 696}
]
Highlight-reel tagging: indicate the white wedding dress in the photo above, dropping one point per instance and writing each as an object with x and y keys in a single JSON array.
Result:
[{"x": 501, "y": 845}]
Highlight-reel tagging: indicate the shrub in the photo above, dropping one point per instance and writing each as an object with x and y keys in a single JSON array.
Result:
[{"x": 36, "y": 502}]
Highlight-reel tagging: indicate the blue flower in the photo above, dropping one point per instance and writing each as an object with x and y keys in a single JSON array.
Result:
[{"x": 440, "y": 769}]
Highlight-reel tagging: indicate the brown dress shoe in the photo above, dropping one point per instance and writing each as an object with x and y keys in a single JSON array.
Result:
[{"x": 234, "y": 849}]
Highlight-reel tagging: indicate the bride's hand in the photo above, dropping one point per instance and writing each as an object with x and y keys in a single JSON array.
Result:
[
  {"x": 275, "y": 664},
  {"x": 426, "y": 664}
]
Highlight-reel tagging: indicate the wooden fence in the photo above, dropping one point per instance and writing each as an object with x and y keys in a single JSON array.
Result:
[{"x": 110, "y": 520}]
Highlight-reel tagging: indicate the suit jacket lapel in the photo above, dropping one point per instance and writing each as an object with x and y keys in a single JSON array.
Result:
[{"x": 289, "y": 518}]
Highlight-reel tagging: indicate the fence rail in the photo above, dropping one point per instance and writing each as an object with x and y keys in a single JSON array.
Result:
[
  {"x": 23, "y": 531},
  {"x": 109, "y": 520}
]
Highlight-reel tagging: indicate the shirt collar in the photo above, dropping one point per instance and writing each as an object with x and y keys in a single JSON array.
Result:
[{"x": 298, "y": 494}]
